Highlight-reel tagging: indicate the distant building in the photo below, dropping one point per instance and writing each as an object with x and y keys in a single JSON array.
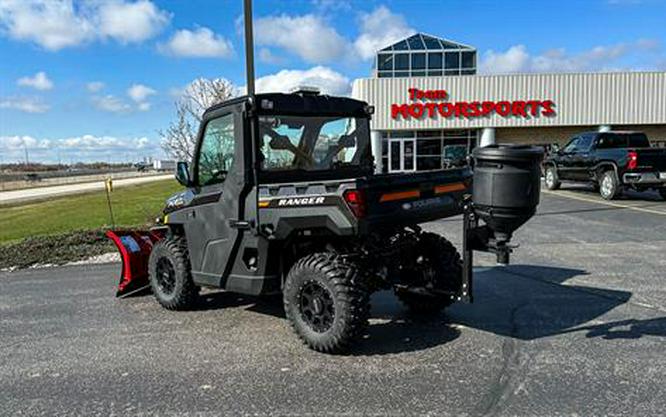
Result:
[
  {"x": 164, "y": 165},
  {"x": 431, "y": 107}
]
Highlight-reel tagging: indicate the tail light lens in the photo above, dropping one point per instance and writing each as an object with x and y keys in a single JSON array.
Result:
[
  {"x": 355, "y": 200},
  {"x": 632, "y": 160}
]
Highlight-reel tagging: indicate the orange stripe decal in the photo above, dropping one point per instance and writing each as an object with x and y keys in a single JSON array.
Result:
[
  {"x": 400, "y": 195},
  {"x": 264, "y": 203},
  {"x": 448, "y": 188}
]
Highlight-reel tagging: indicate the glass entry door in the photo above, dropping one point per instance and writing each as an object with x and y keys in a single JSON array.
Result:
[{"x": 402, "y": 155}]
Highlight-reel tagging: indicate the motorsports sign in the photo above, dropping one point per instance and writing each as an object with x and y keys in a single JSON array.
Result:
[{"x": 434, "y": 103}]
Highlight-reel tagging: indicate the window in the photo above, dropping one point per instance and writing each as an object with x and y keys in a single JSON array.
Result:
[
  {"x": 435, "y": 61},
  {"x": 312, "y": 143},
  {"x": 418, "y": 61},
  {"x": 216, "y": 156},
  {"x": 584, "y": 143},
  {"x": 452, "y": 60},
  {"x": 385, "y": 62},
  {"x": 468, "y": 60},
  {"x": 571, "y": 146},
  {"x": 401, "y": 62}
]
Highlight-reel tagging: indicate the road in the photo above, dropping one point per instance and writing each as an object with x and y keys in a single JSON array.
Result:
[
  {"x": 44, "y": 193},
  {"x": 575, "y": 326}
]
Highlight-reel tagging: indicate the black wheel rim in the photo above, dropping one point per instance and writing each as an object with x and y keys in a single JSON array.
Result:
[
  {"x": 316, "y": 306},
  {"x": 166, "y": 276}
]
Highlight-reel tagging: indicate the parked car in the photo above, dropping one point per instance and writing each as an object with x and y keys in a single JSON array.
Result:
[{"x": 612, "y": 161}]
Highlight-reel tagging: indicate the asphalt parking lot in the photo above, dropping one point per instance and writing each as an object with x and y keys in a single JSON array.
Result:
[{"x": 577, "y": 325}]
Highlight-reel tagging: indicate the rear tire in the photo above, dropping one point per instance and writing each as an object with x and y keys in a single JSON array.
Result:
[
  {"x": 662, "y": 193},
  {"x": 170, "y": 274},
  {"x": 440, "y": 269},
  {"x": 326, "y": 302},
  {"x": 552, "y": 179},
  {"x": 609, "y": 186}
]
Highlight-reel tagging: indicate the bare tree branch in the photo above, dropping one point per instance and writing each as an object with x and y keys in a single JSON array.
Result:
[{"x": 179, "y": 138}]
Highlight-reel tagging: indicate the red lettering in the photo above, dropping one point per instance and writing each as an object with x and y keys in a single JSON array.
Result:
[
  {"x": 445, "y": 109},
  {"x": 412, "y": 93},
  {"x": 548, "y": 109},
  {"x": 475, "y": 109},
  {"x": 534, "y": 107},
  {"x": 416, "y": 110},
  {"x": 399, "y": 110},
  {"x": 431, "y": 109},
  {"x": 503, "y": 108},
  {"x": 518, "y": 108},
  {"x": 487, "y": 107}
]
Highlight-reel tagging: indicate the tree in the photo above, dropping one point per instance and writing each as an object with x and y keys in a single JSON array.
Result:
[{"x": 179, "y": 138}]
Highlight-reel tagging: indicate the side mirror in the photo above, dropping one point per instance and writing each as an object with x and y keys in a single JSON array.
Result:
[{"x": 183, "y": 174}]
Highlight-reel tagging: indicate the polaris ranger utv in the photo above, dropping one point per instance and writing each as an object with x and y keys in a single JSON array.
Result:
[{"x": 281, "y": 197}]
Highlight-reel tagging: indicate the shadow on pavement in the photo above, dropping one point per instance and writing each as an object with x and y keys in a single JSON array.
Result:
[
  {"x": 530, "y": 302},
  {"x": 627, "y": 195},
  {"x": 626, "y": 329}
]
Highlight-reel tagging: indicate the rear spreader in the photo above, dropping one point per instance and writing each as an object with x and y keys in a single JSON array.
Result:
[{"x": 281, "y": 198}]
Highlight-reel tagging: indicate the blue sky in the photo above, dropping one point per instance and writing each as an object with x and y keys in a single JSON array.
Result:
[{"x": 96, "y": 79}]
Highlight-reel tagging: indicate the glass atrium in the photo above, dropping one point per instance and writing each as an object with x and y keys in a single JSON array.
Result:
[{"x": 423, "y": 55}]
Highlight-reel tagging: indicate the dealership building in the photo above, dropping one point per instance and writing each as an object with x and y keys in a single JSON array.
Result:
[{"x": 432, "y": 108}]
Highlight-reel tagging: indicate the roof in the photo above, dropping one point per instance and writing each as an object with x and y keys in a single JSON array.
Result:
[
  {"x": 422, "y": 41},
  {"x": 298, "y": 104}
]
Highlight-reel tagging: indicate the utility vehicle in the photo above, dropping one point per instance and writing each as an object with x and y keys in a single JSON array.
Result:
[{"x": 281, "y": 198}]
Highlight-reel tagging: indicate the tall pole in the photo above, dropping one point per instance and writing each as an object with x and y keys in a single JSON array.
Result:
[{"x": 249, "y": 47}]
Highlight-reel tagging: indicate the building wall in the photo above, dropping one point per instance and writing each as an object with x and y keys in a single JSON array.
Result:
[
  {"x": 561, "y": 135},
  {"x": 581, "y": 100}
]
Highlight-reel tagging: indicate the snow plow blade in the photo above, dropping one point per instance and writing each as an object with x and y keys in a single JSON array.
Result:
[{"x": 134, "y": 247}]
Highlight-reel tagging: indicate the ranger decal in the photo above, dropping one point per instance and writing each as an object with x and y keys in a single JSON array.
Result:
[{"x": 300, "y": 201}]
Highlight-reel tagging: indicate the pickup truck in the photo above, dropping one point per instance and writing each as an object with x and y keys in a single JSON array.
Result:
[{"x": 612, "y": 161}]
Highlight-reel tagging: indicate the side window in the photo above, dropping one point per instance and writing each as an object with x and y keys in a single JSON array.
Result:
[
  {"x": 217, "y": 150},
  {"x": 584, "y": 144},
  {"x": 571, "y": 146}
]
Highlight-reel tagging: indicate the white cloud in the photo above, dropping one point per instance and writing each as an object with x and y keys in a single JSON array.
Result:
[
  {"x": 24, "y": 104},
  {"x": 131, "y": 22},
  {"x": 517, "y": 59},
  {"x": 327, "y": 80},
  {"x": 379, "y": 29},
  {"x": 199, "y": 43},
  {"x": 140, "y": 92},
  {"x": 39, "y": 81},
  {"x": 265, "y": 55},
  {"x": 111, "y": 104},
  {"x": 58, "y": 24},
  {"x": 95, "y": 86},
  {"x": 11, "y": 143},
  {"x": 307, "y": 36}
]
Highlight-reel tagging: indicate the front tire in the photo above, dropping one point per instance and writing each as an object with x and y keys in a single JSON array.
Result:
[
  {"x": 552, "y": 179},
  {"x": 326, "y": 302},
  {"x": 438, "y": 276},
  {"x": 609, "y": 186},
  {"x": 170, "y": 275}
]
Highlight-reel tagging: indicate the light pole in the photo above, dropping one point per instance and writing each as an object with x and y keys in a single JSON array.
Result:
[{"x": 249, "y": 47}]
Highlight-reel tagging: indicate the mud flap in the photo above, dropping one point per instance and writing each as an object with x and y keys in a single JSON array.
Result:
[{"x": 134, "y": 247}]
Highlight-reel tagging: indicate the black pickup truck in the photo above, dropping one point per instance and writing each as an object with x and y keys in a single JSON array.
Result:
[{"x": 612, "y": 161}]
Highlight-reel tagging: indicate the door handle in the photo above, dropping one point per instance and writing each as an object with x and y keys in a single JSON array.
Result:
[{"x": 241, "y": 224}]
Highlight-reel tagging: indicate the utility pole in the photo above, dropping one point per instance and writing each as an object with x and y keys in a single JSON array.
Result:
[
  {"x": 25, "y": 147},
  {"x": 249, "y": 47}
]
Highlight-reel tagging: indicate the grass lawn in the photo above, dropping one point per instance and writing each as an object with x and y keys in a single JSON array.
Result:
[{"x": 132, "y": 205}]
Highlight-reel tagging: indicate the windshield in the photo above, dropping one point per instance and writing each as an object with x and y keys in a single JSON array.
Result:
[{"x": 312, "y": 143}]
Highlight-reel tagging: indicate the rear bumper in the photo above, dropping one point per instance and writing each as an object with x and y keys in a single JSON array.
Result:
[{"x": 644, "y": 178}]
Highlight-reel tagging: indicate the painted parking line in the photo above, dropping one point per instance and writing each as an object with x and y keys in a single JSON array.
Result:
[{"x": 603, "y": 202}]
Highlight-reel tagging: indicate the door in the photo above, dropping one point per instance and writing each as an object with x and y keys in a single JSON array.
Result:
[
  {"x": 580, "y": 159},
  {"x": 212, "y": 227},
  {"x": 402, "y": 155},
  {"x": 565, "y": 160}
]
